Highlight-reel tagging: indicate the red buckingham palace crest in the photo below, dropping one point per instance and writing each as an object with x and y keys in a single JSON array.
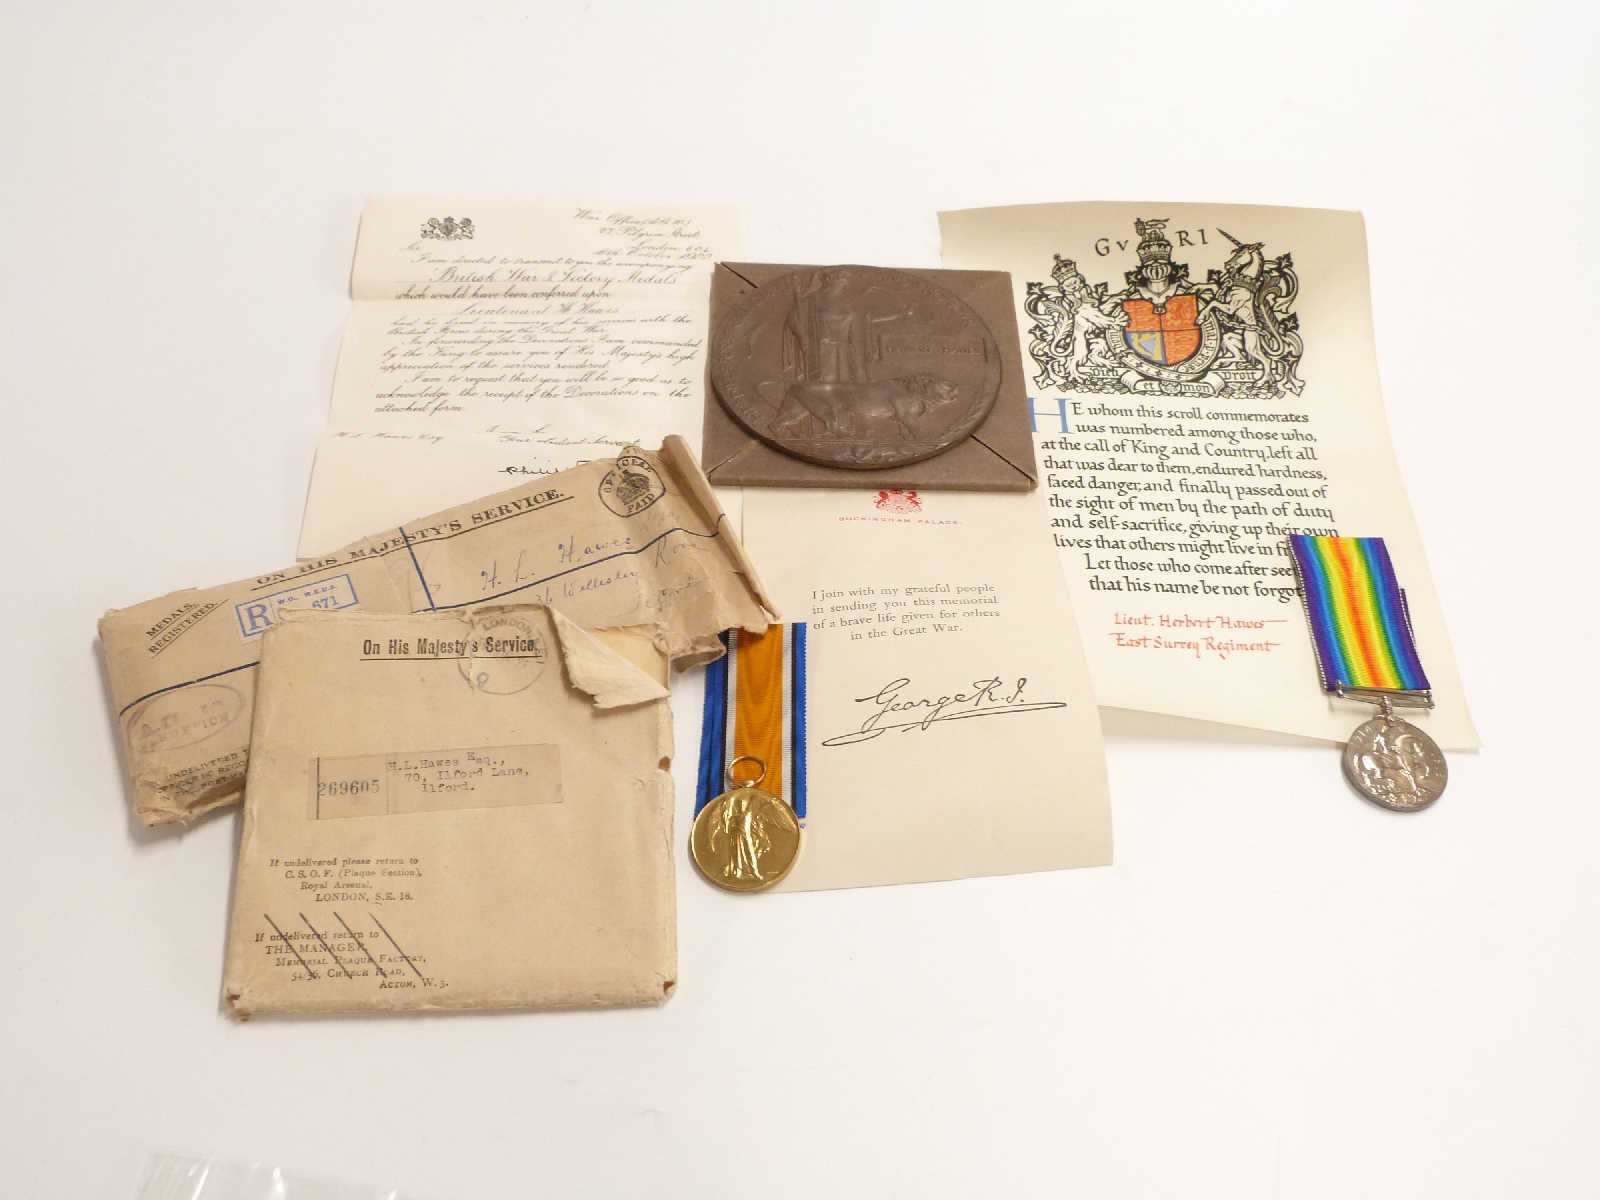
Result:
[{"x": 897, "y": 501}]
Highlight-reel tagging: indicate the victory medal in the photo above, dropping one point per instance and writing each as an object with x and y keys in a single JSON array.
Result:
[
  {"x": 1361, "y": 631},
  {"x": 746, "y": 839}
]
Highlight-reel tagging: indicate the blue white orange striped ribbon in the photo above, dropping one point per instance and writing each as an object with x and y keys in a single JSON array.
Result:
[{"x": 756, "y": 704}]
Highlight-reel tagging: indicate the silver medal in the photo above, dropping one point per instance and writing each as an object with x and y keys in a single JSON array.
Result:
[{"x": 1393, "y": 763}]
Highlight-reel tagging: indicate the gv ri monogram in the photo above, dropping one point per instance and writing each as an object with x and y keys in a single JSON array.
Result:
[{"x": 1233, "y": 335}]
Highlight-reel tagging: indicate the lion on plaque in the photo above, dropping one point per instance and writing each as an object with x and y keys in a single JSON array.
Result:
[{"x": 914, "y": 404}]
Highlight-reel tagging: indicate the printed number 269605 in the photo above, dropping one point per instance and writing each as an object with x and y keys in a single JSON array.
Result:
[{"x": 349, "y": 787}]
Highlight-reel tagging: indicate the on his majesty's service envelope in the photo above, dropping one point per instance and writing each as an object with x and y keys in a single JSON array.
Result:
[
  {"x": 949, "y": 726},
  {"x": 635, "y": 541},
  {"x": 1204, "y": 384},
  {"x": 464, "y": 809}
]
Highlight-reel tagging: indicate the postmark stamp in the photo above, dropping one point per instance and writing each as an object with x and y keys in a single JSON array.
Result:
[
  {"x": 631, "y": 486},
  {"x": 182, "y": 717},
  {"x": 506, "y": 653}
]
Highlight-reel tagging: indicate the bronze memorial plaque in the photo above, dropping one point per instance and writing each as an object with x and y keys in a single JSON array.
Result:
[{"x": 857, "y": 367}]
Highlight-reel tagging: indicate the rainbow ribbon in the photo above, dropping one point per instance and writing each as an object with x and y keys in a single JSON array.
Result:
[
  {"x": 756, "y": 704},
  {"x": 1359, "y": 620}
]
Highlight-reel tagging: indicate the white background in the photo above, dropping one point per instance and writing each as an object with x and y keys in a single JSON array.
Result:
[{"x": 1278, "y": 991}]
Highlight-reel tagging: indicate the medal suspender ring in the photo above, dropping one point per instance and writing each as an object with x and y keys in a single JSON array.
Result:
[{"x": 756, "y": 782}]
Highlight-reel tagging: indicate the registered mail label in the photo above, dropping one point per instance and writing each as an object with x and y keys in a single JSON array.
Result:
[{"x": 257, "y": 615}]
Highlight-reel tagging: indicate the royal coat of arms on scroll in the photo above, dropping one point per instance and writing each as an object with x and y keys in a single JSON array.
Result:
[{"x": 1235, "y": 334}]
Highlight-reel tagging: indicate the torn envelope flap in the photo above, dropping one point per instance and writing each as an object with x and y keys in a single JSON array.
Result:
[
  {"x": 453, "y": 811},
  {"x": 595, "y": 668}
]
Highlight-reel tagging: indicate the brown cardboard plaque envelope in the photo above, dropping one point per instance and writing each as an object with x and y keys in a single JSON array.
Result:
[{"x": 997, "y": 457}]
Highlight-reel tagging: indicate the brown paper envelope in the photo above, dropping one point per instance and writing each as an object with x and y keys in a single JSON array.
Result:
[
  {"x": 453, "y": 810},
  {"x": 646, "y": 547},
  {"x": 998, "y": 457}
]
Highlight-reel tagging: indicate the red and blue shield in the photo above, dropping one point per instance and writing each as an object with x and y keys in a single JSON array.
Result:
[{"x": 1163, "y": 338}]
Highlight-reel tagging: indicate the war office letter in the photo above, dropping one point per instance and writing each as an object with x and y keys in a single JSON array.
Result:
[{"x": 495, "y": 340}]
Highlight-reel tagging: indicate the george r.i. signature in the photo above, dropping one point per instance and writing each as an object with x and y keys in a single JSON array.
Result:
[{"x": 987, "y": 698}]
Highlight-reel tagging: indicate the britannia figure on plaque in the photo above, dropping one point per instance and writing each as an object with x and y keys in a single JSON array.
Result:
[
  {"x": 828, "y": 336},
  {"x": 833, "y": 356}
]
